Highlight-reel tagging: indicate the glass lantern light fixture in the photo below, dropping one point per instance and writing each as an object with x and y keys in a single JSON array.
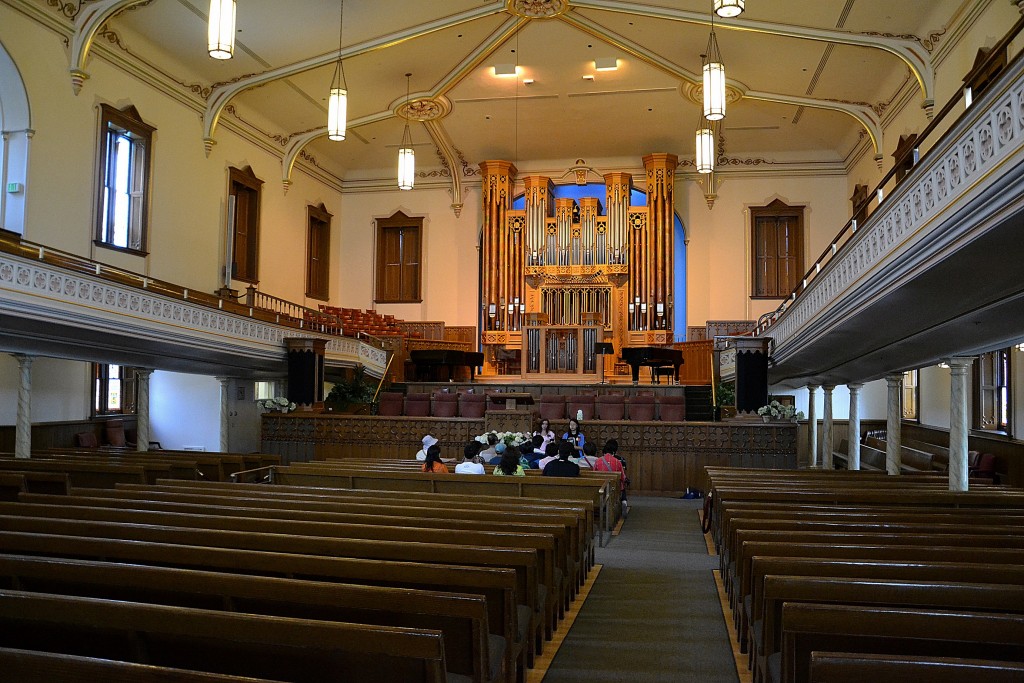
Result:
[
  {"x": 337, "y": 103},
  {"x": 220, "y": 42},
  {"x": 406, "y": 153}
]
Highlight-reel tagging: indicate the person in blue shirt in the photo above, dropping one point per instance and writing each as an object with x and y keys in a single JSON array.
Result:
[{"x": 575, "y": 437}]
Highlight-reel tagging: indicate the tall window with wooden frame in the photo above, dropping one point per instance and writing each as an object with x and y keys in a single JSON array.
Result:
[
  {"x": 905, "y": 157},
  {"x": 244, "y": 223},
  {"x": 318, "y": 252},
  {"x": 992, "y": 392},
  {"x": 778, "y": 249},
  {"x": 399, "y": 249},
  {"x": 122, "y": 203},
  {"x": 114, "y": 389}
]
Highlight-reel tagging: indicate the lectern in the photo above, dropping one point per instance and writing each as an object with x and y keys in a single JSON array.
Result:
[{"x": 744, "y": 360}]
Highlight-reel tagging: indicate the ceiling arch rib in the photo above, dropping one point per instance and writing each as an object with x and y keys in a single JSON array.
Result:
[
  {"x": 507, "y": 29},
  {"x": 87, "y": 23},
  {"x": 221, "y": 95},
  {"x": 912, "y": 54},
  {"x": 864, "y": 115}
]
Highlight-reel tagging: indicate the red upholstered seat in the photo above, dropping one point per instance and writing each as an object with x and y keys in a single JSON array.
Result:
[
  {"x": 472, "y": 405},
  {"x": 584, "y": 402},
  {"x": 672, "y": 408},
  {"x": 391, "y": 403},
  {"x": 610, "y": 406},
  {"x": 86, "y": 440},
  {"x": 444, "y": 404},
  {"x": 417, "y": 405},
  {"x": 641, "y": 407},
  {"x": 115, "y": 434},
  {"x": 552, "y": 407}
]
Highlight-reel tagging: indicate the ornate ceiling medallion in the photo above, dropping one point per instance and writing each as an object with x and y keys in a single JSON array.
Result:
[
  {"x": 537, "y": 9},
  {"x": 424, "y": 109},
  {"x": 695, "y": 93}
]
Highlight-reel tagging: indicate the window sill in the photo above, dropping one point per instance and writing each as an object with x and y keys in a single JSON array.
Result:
[
  {"x": 318, "y": 297},
  {"x": 122, "y": 250},
  {"x": 398, "y": 301},
  {"x": 764, "y": 298}
]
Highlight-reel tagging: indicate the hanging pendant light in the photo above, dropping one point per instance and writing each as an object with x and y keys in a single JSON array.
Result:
[
  {"x": 220, "y": 38},
  {"x": 406, "y": 154},
  {"x": 714, "y": 79},
  {"x": 337, "y": 104},
  {"x": 705, "y": 148},
  {"x": 728, "y": 8}
]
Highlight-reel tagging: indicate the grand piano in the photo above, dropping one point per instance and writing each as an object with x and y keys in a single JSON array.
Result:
[
  {"x": 654, "y": 357},
  {"x": 427, "y": 362}
]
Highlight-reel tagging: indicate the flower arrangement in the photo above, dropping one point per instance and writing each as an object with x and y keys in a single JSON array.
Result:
[
  {"x": 508, "y": 438},
  {"x": 778, "y": 411},
  {"x": 276, "y": 405}
]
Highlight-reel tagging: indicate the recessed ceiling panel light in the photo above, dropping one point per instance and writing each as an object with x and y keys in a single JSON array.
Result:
[
  {"x": 505, "y": 70},
  {"x": 606, "y": 64},
  {"x": 588, "y": 77},
  {"x": 527, "y": 81}
]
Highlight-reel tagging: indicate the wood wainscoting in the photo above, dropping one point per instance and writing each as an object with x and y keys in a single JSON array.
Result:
[{"x": 663, "y": 458}]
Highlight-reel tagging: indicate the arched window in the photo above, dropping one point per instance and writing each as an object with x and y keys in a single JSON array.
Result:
[{"x": 15, "y": 133}]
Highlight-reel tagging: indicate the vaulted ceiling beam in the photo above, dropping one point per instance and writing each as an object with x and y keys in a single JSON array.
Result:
[{"x": 87, "y": 24}]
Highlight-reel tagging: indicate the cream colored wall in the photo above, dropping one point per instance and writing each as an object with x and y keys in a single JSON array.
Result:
[
  {"x": 60, "y": 390},
  {"x": 450, "y": 255},
  {"x": 188, "y": 202},
  {"x": 718, "y": 253}
]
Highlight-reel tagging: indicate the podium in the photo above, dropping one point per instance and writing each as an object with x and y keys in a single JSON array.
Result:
[{"x": 744, "y": 360}]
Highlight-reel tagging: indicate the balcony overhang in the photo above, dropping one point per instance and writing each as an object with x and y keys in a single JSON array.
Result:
[{"x": 934, "y": 272}]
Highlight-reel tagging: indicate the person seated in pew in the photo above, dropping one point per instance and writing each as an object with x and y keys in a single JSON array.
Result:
[
  {"x": 489, "y": 454},
  {"x": 471, "y": 460},
  {"x": 433, "y": 462},
  {"x": 550, "y": 455},
  {"x": 575, "y": 436},
  {"x": 509, "y": 465},
  {"x": 611, "y": 462},
  {"x": 545, "y": 432},
  {"x": 428, "y": 441},
  {"x": 499, "y": 449},
  {"x": 537, "y": 452},
  {"x": 589, "y": 457},
  {"x": 562, "y": 467}
]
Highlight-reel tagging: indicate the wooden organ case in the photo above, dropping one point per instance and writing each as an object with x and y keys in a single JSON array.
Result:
[{"x": 560, "y": 276}]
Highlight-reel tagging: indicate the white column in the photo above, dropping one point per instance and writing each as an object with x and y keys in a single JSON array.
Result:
[
  {"x": 959, "y": 374},
  {"x": 812, "y": 424},
  {"x": 23, "y": 431},
  {"x": 224, "y": 387},
  {"x": 894, "y": 417},
  {"x": 827, "y": 429},
  {"x": 853, "y": 431},
  {"x": 142, "y": 399}
]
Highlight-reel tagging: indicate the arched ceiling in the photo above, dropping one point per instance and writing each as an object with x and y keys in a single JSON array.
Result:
[{"x": 812, "y": 78}]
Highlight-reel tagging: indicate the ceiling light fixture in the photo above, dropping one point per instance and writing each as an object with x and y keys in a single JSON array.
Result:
[
  {"x": 220, "y": 38},
  {"x": 606, "y": 64},
  {"x": 406, "y": 154},
  {"x": 705, "y": 146},
  {"x": 728, "y": 8},
  {"x": 588, "y": 77},
  {"x": 505, "y": 70},
  {"x": 337, "y": 105},
  {"x": 714, "y": 79}
]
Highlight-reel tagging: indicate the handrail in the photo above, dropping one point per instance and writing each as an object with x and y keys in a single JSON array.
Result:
[
  {"x": 327, "y": 323},
  {"x": 766, "y": 320},
  {"x": 13, "y": 243}
]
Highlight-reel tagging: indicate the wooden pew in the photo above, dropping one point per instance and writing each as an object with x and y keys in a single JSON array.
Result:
[
  {"x": 218, "y": 642},
  {"x": 503, "y": 505},
  {"x": 780, "y": 590},
  {"x": 85, "y": 474},
  {"x": 882, "y": 630},
  {"x": 844, "y": 667},
  {"x": 31, "y": 666},
  {"x": 507, "y": 618},
  {"x": 524, "y": 561},
  {"x": 548, "y": 585},
  {"x": 461, "y": 618},
  {"x": 177, "y": 468}
]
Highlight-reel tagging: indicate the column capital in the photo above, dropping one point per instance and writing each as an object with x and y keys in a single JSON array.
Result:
[
  {"x": 961, "y": 362},
  {"x": 144, "y": 372},
  {"x": 828, "y": 388},
  {"x": 814, "y": 387},
  {"x": 855, "y": 386},
  {"x": 1019, "y": 4},
  {"x": 222, "y": 380},
  {"x": 23, "y": 358},
  {"x": 894, "y": 379}
]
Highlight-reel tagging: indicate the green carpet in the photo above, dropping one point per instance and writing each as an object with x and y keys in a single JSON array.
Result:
[{"x": 653, "y": 613}]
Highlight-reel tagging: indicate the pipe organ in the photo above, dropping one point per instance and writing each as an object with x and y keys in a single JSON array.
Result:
[{"x": 560, "y": 275}]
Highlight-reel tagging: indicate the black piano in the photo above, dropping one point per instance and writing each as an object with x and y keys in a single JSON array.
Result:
[
  {"x": 654, "y": 357},
  {"x": 427, "y": 362}
]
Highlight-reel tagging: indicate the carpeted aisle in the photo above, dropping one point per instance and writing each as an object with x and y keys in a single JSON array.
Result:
[{"x": 653, "y": 613}]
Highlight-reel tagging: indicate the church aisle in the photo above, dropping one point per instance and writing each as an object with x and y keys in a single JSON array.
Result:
[{"x": 653, "y": 613}]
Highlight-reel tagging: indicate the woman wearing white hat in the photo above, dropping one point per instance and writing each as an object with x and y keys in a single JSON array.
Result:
[{"x": 428, "y": 441}]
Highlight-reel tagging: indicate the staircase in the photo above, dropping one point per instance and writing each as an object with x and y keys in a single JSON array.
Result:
[{"x": 699, "y": 407}]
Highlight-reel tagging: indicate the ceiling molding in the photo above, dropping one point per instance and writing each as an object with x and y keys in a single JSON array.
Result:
[
  {"x": 223, "y": 94},
  {"x": 87, "y": 24},
  {"x": 910, "y": 52}
]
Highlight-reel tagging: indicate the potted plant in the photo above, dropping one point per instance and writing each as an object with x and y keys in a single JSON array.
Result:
[
  {"x": 780, "y": 412},
  {"x": 725, "y": 401},
  {"x": 353, "y": 396}
]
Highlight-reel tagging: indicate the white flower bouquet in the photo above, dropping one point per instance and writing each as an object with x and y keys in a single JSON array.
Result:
[
  {"x": 778, "y": 411},
  {"x": 276, "y": 405},
  {"x": 507, "y": 438}
]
